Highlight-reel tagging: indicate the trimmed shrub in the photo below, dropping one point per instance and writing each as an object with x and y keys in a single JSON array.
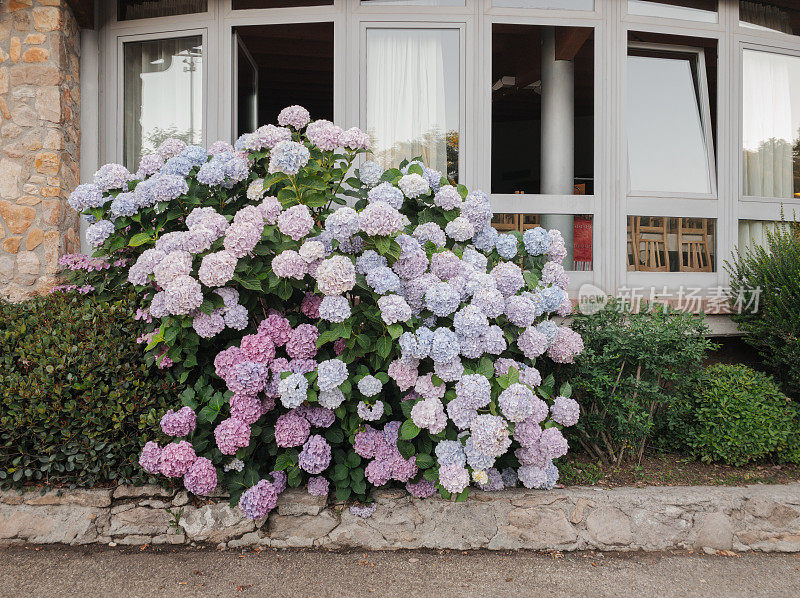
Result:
[
  {"x": 771, "y": 325},
  {"x": 633, "y": 368},
  {"x": 736, "y": 414},
  {"x": 77, "y": 400}
]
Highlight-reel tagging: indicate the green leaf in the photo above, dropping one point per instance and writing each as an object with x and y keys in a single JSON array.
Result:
[
  {"x": 342, "y": 494},
  {"x": 565, "y": 390},
  {"x": 395, "y": 330},
  {"x": 139, "y": 239},
  {"x": 424, "y": 461},
  {"x": 353, "y": 460},
  {"x": 409, "y": 430}
]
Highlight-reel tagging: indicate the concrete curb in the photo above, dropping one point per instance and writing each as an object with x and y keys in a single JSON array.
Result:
[{"x": 764, "y": 518}]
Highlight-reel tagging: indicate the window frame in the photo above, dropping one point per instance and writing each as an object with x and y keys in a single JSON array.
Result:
[
  {"x": 550, "y": 204},
  {"x": 461, "y": 27},
  {"x": 705, "y": 122}
]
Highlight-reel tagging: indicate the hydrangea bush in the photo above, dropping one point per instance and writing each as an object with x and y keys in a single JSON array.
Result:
[{"x": 343, "y": 326}]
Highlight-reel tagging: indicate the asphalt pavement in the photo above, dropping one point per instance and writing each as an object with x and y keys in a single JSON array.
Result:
[{"x": 177, "y": 572}]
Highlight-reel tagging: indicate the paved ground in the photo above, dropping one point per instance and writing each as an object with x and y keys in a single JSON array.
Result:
[{"x": 123, "y": 572}]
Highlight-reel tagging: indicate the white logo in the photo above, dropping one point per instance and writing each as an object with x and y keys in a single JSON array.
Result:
[{"x": 591, "y": 299}]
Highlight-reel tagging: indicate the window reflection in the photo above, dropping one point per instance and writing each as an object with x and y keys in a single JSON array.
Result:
[
  {"x": 575, "y": 229},
  {"x": 553, "y": 4},
  {"x": 163, "y": 94},
  {"x": 128, "y": 10},
  {"x": 704, "y": 11},
  {"x": 778, "y": 15},
  {"x": 662, "y": 244},
  {"x": 771, "y": 124},
  {"x": 667, "y": 149},
  {"x": 413, "y": 96}
]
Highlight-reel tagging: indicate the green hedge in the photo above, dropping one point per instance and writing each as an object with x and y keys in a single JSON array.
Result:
[
  {"x": 77, "y": 400},
  {"x": 736, "y": 414}
]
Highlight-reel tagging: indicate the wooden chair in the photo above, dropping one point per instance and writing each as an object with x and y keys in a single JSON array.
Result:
[
  {"x": 506, "y": 222},
  {"x": 694, "y": 253},
  {"x": 650, "y": 243},
  {"x": 633, "y": 233}
]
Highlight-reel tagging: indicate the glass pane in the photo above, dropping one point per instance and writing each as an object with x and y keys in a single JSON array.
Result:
[
  {"x": 414, "y": 2},
  {"x": 517, "y": 108},
  {"x": 245, "y": 4},
  {"x": 666, "y": 143},
  {"x": 754, "y": 232},
  {"x": 661, "y": 244},
  {"x": 689, "y": 10},
  {"x": 295, "y": 66},
  {"x": 163, "y": 94},
  {"x": 554, "y": 4},
  {"x": 777, "y": 15},
  {"x": 413, "y": 96},
  {"x": 575, "y": 228},
  {"x": 771, "y": 119},
  {"x": 128, "y": 10}
]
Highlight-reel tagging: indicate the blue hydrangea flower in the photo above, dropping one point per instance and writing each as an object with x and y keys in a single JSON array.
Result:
[
  {"x": 195, "y": 154},
  {"x": 445, "y": 347},
  {"x": 177, "y": 165},
  {"x": 537, "y": 240},
  {"x": 211, "y": 173},
  {"x": 383, "y": 280},
  {"x": 388, "y": 193},
  {"x": 442, "y": 299},
  {"x": 124, "y": 204},
  {"x": 485, "y": 239},
  {"x": 506, "y": 245}
]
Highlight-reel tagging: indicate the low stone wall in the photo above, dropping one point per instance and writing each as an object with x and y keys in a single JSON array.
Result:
[{"x": 765, "y": 518}]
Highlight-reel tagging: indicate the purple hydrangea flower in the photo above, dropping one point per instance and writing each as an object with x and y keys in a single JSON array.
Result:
[
  {"x": 179, "y": 423},
  {"x": 201, "y": 479}
]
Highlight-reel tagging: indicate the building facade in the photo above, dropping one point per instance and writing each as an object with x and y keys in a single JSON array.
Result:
[{"x": 658, "y": 136}]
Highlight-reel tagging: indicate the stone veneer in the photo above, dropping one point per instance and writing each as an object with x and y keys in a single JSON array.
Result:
[
  {"x": 764, "y": 518},
  {"x": 39, "y": 140}
]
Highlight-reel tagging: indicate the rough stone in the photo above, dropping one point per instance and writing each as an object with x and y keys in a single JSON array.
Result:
[
  {"x": 47, "y": 18},
  {"x": 715, "y": 531},
  {"x": 83, "y": 498},
  {"x": 10, "y": 173},
  {"x": 34, "y": 238},
  {"x": 11, "y": 244},
  {"x": 214, "y": 523},
  {"x": 609, "y": 526},
  {"x": 48, "y": 103},
  {"x": 18, "y": 219},
  {"x": 63, "y": 524},
  {"x": 140, "y": 520},
  {"x": 140, "y": 491}
]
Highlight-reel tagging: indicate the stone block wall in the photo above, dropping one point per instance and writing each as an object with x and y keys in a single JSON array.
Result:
[
  {"x": 764, "y": 518},
  {"x": 39, "y": 141}
]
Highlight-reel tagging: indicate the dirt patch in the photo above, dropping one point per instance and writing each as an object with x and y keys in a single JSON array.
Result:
[{"x": 672, "y": 470}]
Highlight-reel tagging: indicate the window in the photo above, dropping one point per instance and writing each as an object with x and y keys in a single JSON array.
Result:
[
  {"x": 754, "y": 232},
  {"x": 163, "y": 86},
  {"x": 662, "y": 244},
  {"x": 770, "y": 124},
  {"x": 550, "y": 4},
  {"x": 414, "y": 2},
  {"x": 128, "y": 10},
  {"x": 293, "y": 64},
  {"x": 247, "y": 4},
  {"x": 776, "y": 15},
  {"x": 528, "y": 123},
  {"x": 413, "y": 96},
  {"x": 688, "y": 10},
  {"x": 668, "y": 123},
  {"x": 575, "y": 228}
]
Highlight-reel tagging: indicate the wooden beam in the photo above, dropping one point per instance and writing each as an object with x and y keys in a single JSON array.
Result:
[
  {"x": 569, "y": 41},
  {"x": 84, "y": 12}
]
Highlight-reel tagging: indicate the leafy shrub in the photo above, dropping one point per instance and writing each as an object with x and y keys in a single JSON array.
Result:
[
  {"x": 77, "y": 400},
  {"x": 772, "y": 323},
  {"x": 633, "y": 368},
  {"x": 393, "y": 338},
  {"x": 736, "y": 414}
]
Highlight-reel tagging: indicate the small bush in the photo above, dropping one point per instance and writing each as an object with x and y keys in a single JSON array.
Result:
[
  {"x": 772, "y": 324},
  {"x": 77, "y": 400},
  {"x": 736, "y": 414},
  {"x": 633, "y": 368}
]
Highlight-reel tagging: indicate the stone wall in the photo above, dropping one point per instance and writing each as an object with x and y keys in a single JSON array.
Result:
[
  {"x": 764, "y": 518},
  {"x": 39, "y": 139}
]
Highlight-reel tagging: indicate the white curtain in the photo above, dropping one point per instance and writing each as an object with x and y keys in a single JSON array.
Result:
[
  {"x": 406, "y": 103},
  {"x": 767, "y": 121},
  {"x": 754, "y": 232}
]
